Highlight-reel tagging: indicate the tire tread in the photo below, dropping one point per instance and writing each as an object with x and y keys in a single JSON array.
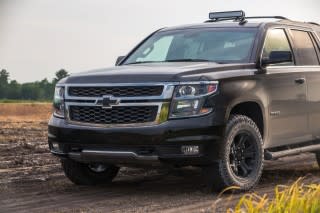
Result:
[{"x": 217, "y": 175}]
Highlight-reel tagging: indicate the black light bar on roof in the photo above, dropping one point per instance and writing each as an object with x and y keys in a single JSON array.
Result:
[{"x": 227, "y": 15}]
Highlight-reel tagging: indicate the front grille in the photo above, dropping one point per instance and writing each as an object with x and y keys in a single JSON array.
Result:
[
  {"x": 116, "y": 115},
  {"x": 118, "y": 91}
]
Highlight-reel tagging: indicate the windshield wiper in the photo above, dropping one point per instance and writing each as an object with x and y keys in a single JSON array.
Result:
[
  {"x": 173, "y": 60},
  {"x": 188, "y": 60},
  {"x": 143, "y": 62}
]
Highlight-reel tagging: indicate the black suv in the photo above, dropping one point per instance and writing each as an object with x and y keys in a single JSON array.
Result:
[{"x": 224, "y": 95}]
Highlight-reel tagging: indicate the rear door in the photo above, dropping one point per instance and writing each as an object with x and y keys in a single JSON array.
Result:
[
  {"x": 306, "y": 47},
  {"x": 286, "y": 86}
]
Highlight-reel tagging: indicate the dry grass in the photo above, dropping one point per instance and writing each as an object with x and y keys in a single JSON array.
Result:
[
  {"x": 297, "y": 198},
  {"x": 25, "y": 111}
]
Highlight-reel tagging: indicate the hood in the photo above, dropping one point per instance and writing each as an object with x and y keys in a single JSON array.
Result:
[{"x": 162, "y": 72}]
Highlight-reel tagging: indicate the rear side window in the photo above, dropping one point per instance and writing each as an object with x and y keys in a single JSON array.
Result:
[
  {"x": 304, "y": 49},
  {"x": 276, "y": 40}
]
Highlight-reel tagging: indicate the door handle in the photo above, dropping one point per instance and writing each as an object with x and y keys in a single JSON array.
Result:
[{"x": 300, "y": 80}]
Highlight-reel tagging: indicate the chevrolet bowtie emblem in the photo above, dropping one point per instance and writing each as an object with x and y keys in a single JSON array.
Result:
[{"x": 108, "y": 101}]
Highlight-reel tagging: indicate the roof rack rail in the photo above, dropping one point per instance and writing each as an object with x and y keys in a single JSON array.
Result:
[
  {"x": 314, "y": 23},
  {"x": 262, "y": 17},
  {"x": 237, "y": 16}
]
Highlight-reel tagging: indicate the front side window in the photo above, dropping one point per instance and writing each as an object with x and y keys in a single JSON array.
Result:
[
  {"x": 305, "y": 50},
  {"x": 221, "y": 45},
  {"x": 276, "y": 41}
]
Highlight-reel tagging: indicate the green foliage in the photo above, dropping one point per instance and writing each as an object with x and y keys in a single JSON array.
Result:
[
  {"x": 60, "y": 75},
  {"x": 34, "y": 91},
  {"x": 4, "y": 78}
]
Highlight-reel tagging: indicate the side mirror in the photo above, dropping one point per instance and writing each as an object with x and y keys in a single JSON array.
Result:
[
  {"x": 119, "y": 59},
  {"x": 277, "y": 57}
]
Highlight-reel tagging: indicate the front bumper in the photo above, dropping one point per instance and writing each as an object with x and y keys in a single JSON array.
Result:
[{"x": 139, "y": 145}]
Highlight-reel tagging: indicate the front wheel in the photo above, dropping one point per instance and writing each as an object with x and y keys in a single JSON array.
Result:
[
  {"x": 88, "y": 174},
  {"x": 241, "y": 156}
]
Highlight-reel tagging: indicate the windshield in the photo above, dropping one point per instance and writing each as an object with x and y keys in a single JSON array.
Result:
[{"x": 220, "y": 45}]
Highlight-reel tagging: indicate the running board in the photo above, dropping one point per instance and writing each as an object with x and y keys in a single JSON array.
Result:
[{"x": 276, "y": 155}]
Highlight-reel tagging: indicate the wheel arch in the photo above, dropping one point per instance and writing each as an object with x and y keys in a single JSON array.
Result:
[{"x": 252, "y": 108}]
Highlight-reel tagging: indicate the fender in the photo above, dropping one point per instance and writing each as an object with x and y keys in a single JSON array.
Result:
[{"x": 236, "y": 91}]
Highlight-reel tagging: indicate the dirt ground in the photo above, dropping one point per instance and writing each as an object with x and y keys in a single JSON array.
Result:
[{"x": 31, "y": 180}]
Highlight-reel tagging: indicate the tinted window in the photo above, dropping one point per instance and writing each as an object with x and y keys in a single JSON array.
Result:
[
  {"x": 276, "y": 40},
  {"x": 305, "y": 51},
  {"x": 217, "y": 45}
]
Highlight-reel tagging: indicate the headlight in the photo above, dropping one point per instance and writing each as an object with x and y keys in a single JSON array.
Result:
[
  {"x": 189, "y": 99},
  {"x": 58, "y": 102}
]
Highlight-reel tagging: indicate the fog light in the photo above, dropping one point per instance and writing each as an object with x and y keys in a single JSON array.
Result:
[
  {"x": 190, "y": 150},
  {"x": 55, "y": 146}
]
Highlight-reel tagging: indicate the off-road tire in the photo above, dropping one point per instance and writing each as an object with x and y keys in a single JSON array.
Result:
[
  {"x": 81, "y": 174},
  {"x": 221, "y": 175}
]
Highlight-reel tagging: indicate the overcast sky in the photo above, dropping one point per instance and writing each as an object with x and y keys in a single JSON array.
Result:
[{"x": 38, "y": 37}]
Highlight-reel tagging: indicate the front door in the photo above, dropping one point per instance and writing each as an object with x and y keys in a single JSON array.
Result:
[{"x": 287, "y": 89}]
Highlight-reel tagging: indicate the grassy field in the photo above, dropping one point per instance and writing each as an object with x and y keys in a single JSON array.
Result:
[
  {"x": 25, "y": 111},
  {"x": 23, "y": 101}
]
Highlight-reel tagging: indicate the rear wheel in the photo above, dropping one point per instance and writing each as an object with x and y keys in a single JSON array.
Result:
[
  {"x": 89, "y": 174},
  {"x": 241, "y": 156}
]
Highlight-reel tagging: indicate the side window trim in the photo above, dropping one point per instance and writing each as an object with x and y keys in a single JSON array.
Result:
[
  {"x": 317, "y": 35},
  {"x": 289, "y": 37}
]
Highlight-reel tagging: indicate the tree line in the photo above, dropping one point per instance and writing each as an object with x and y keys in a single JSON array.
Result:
[{"x": 36, "y": 91}]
